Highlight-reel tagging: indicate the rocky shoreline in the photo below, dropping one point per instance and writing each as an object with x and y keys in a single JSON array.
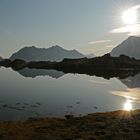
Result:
[{"x": 116, "y": 125}]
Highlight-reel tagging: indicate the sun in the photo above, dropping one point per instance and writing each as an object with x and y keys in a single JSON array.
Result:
[{"x": 129, "y": 16}]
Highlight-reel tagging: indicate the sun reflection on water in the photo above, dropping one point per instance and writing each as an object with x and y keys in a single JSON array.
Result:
[
  {"x": 131, "y": 96},
  {"x": 128, "y": 105}
]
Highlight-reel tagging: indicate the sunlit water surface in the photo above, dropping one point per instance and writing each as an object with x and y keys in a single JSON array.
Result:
[{"x": 39, "y": 93}]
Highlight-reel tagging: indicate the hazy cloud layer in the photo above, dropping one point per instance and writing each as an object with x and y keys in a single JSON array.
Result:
[
  {"x": 98, "y": 42},
  {"x": 130, "y": 29}
]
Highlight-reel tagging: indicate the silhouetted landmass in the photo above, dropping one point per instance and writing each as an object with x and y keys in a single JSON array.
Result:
[
  {"x": 5, "y": 62},
  {"x": 129, "y": 47},
  {"x": 1, "y": 58},
  {"x": 54, "y": 53},
  {"x": 105, "y": 66}
]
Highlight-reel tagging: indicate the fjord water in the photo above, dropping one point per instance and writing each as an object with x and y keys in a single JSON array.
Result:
[{"x": 40, "y": 93}]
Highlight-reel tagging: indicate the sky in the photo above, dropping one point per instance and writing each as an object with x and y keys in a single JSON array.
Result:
[{"x": 90, "y": 26}]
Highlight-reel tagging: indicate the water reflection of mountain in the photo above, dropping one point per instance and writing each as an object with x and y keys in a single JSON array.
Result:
[
  {"x": 40, "y": 72},
  {"x": 132, "y": 82}
]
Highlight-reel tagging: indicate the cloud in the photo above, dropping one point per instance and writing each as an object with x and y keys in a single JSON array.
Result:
[
  {"x": 133, "y": 29},
  {"x": 110, "y": 46},
  {"x": 136, "y": 7},
  {"x": 130, "y": 29},
  {"x": 98, "y": 42}
]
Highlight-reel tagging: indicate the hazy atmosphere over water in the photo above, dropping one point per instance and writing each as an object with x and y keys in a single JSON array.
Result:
[{"x": 90, "y": 26}]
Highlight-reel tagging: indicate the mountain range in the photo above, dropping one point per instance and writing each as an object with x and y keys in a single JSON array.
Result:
[
  {"x": 129, "y": 47},
  {"x": 54, "y": 53}
]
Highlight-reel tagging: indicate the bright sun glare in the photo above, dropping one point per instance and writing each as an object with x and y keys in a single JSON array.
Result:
[
  {"x": 128, "y": 106},
  {"x": 129, "y": 16}
]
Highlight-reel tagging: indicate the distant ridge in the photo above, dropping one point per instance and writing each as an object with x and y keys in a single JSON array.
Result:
[
  {"x": 54, "y": 53},
  {"x": 129, "y": 47}
]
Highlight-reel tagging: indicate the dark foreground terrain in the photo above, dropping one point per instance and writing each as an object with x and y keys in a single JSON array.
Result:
[{"x": 117, "y": 125}]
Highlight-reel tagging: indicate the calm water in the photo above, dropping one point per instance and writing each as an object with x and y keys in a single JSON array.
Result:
[{"x": 38, "y": 93}]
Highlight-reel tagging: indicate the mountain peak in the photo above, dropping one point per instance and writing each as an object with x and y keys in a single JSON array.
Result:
[
  {"x": 29, "y": 47},
  {"x": 55, "y": 47},
  {"x": 133, "y": 37},
  {"x": 129, "y": 47}
]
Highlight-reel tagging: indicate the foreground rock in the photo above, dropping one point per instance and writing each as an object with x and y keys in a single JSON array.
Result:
[{"x": 117, "y": 125}]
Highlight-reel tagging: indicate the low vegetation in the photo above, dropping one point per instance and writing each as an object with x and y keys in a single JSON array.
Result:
[{"x": 115, "y": 125}]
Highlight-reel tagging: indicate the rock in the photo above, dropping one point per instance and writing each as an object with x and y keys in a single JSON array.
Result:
[{"x": 69, "y": 117}]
